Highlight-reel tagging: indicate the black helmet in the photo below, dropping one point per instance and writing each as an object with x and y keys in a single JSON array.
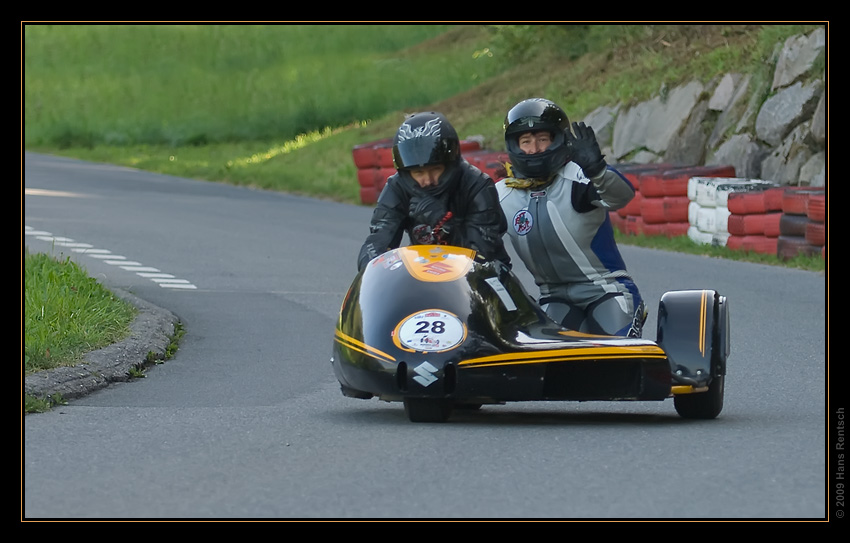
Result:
[
  {"x": 535, "y": 115},
  {"x": 425, "y": 139}
]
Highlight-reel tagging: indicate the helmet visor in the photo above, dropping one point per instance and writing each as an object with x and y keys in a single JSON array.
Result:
[
  {"x": 535, "y": 114},
  {"x": 423, "y": 151}
]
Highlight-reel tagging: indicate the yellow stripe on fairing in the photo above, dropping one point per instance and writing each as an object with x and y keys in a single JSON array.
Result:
[
  {"x": 564, "y": 355},
  {"x": 537, "y": 357},
  {"x": 359, "y": 346}
]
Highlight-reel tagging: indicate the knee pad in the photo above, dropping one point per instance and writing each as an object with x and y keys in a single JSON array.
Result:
[
  {"x": 566, "y": 315},
  {"x": 610, "y": 316}
]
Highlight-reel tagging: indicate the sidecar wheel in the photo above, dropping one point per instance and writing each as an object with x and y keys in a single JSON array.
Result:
[
  {"x": 704, "y": 405},
  {"x": 427, "y": 409}
]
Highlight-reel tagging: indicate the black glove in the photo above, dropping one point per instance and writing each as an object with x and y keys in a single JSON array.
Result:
[
  {"x": 427, "y": 210},
  {"x": 584, "y": 150}
]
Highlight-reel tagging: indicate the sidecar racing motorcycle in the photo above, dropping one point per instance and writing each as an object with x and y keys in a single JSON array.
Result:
[{"x": 436, "y": 329}]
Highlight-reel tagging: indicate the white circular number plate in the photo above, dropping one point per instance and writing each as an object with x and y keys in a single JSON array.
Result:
[{"x": 431, "y": 330}]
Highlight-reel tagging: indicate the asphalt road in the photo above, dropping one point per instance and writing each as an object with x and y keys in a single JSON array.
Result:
[{"x": 247, "y": 421}]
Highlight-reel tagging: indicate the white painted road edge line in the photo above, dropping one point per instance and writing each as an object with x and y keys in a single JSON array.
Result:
[{"x": 164, "y": 280}]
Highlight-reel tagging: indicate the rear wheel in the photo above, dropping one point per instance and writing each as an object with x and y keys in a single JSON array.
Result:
[
  {"x": 428, "y": 409},
  {"x": 702, "y": 405}
]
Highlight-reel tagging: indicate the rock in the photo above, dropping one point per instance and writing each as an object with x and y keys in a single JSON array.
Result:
[
  {"x": 819, "y": 122},
  {"x": 783, "y": 164},
  {"x": 602, "y": 120},
  {"x": 781, "y": 139},
  {"x": 689, "y": 146},
  {"x": 785, "y": 110},
  {"x": 797, "y": 57},
  {"x": 653, "y": 124},
  {"x": 725, "y": 92},
  {"x": 813, "y": 172},
  {"x": 731, "y": 114},
  {"x": 742, "y": 152}
]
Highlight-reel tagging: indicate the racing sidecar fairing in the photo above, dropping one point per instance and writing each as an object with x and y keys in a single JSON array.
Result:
[{"x": 436, "y": 329}]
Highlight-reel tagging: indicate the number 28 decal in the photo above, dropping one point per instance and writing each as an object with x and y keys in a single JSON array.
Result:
[{"x": 432, "y": 330}]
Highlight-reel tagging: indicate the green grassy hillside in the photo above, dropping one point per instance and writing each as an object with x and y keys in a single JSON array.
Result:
[{"x": 280, "y": 107}]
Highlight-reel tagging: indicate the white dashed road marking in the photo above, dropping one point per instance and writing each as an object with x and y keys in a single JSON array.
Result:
[{"x": 164, "y": 280}]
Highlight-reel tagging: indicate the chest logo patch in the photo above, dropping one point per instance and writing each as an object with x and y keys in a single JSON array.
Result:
[{"x": 523, "y": 221}]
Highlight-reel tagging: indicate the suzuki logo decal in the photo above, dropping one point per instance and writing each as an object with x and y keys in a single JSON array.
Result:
[{"x": 425, "y": 374}]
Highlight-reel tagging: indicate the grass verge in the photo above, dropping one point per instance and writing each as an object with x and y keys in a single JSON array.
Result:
[{"x": 67, "y": 313}]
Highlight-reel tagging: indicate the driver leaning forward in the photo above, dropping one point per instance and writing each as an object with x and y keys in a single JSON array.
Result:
[{"x": 435, "y": 196}]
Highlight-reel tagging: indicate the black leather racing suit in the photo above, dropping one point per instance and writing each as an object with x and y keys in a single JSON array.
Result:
[{"x": 477, "y": 221}]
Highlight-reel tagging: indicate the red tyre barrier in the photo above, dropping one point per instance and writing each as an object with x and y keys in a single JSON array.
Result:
[
  {"x": 384, "y": 154},
  {"x": 793, "y": 225},
  {"x": 666, "y": 209},
  {"x": 756, "y": 244},
  {"x": 365, "y": 154},
  {"x": 754, "y": 201},
  {"x": 736, "y": 203},
  {"x": 633, "y": 172},
  {"x": 791, "y": 246},
  {"x": 656, "y": 185},
  {"x": 816, "y": 210},
  {"x": 633, "y": 225},
  {"x": 736, "y": 243},
  {"x": 715, "y": 191},
  {"x": 746, "y": 225},
  {"x": 676, "y": 209},
  {"x": 632, "y": 209},
  {"x": 795, "y": 199},
  {"x": 366, "y": 177},
  {"x": 368, "y": 195},
  {"x": 667, "y": 229},
  {"x": 674, "y": 182},
  {"x": 490, "y": 162},
  {"x": 735, "y": 225},
  {"x": 816, "y": 233},
  {"x": 771, "y": 224},
  {"x": 467, "y": 146},
  {"x": 773, "y": 198},
  {"x": 652, "y": 210}
]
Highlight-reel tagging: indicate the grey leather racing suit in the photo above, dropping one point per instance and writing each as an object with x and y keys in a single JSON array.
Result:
[{"x": 563, "y": 234}]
